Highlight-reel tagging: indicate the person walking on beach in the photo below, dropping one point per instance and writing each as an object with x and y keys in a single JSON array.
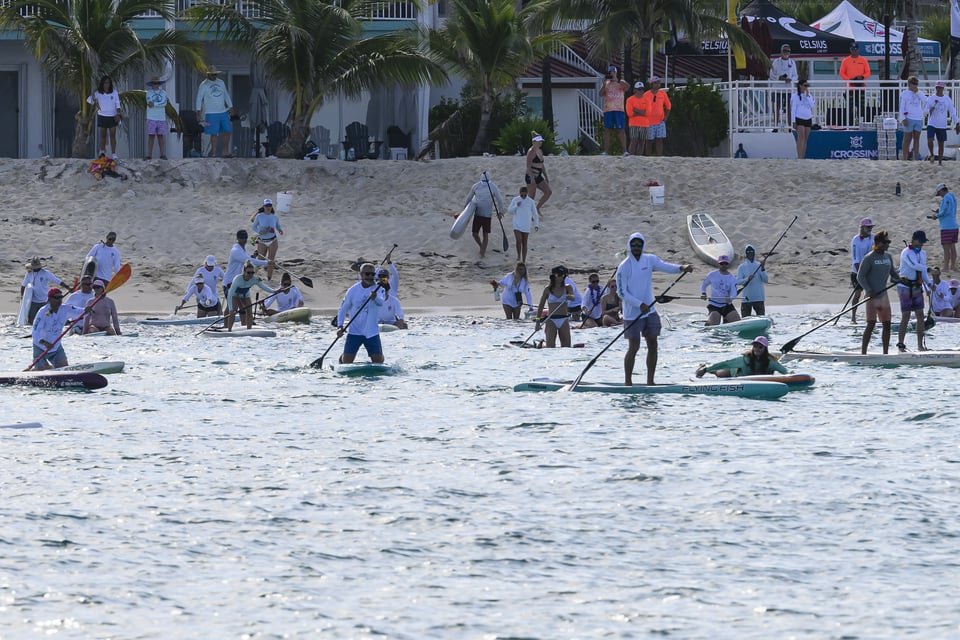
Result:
[
  {"x": 47, "y": 327},
  {"x": 860, "y": 246},
  {"x": 362, "y": 304},
  {"x": 875, "y": 272},
  {"x": 556, "y": 296},
  {"x": 525, "y": 214},
  {"x": 758, "y": 361},
  {"x": 208, "y": 303},
  {"x": 156, "y": 117},
  {"x": 40, "y": 281},
  {"x": 783, "y": 73},
  {"x": 106, "y": 100},
  {"x": 634, "y": 279},
  {"x": 214, "y": 108},
  {"x": 723, "y": 291},
  {"x": 514, "y": 286},
  {"x": 238, "y": 256},
  {"x": 489, "y": 200},
  {"x": 752, "y": 279},
  {"x": 802, "y": 106},
  {"x": 102, "y": 315},
  {"x": 854, "y": 70},
  {"x": 613, "y": 91},
  {"x": 637, "y": 119},
  {"x": 238, "y": 297},
  {"x": 946, "y": 215},
  {"x": 266, "y": 224},
  {"x": 938, "y": 107},
  {"x": 912, "y": 102},
  {"x": 658, "y": 110},
  {"x": 536, "y": 171},
  {"x": 107, "y": 257},
  {"x": 913, "y": 280}
]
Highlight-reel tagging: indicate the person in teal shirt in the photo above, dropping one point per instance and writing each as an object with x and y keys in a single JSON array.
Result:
[
  {"x": 756, "y": 361},
  {"x": 947, "y": 216}
]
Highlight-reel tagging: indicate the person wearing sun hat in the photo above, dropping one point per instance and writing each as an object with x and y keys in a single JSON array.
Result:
[
  {"x": 783, "y": 73},
  {"x": 266, "y": 224},
  {"x": 156, "y": 117},
  {"x": 208, "y": 302},
  {"x": 860, "y": 245},
  {"x": 914, "y": 279},
  {"x": 938, "y": 107},
  {"x": 39, "y": 280},
  {"x": 48, "y": 327},
  {"x": 536, "y": 171},
  {"x": 214, "y": 108},
  {"x": 757, "y": 361},
  {"x": 946, "y": 215},
  {"x": 723, "y": 291}
]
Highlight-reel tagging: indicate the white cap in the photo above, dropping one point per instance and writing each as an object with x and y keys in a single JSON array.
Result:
[{"x": 211, "y": 261}]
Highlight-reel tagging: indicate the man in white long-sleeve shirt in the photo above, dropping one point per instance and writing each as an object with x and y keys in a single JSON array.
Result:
[
  {"x": 489, "y": 201},
  {"x": 635, "y": 287},
  {"x": 238, "y": 255},
  {"x": 913, "y": 280},
  {"x": 362, "y": 304},
  {"x": 214, "y": 108},
  {"x": 938, "y": 107},
  {"x": 107, "y": 257},
  {"x": 783, "y": 73}
]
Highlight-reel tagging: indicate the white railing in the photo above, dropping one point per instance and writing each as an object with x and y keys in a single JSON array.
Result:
[
  {"x": 589, "y": 114},
  {"x": 379, "y": 11},
  {"x": 753, "y": 104},
  {"x": 569, "y": 56}
]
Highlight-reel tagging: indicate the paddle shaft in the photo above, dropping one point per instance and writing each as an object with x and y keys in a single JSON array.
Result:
[
  {"x": 116, "y": 281},
  {"x": 239, "y": 310},
  {"x": 845, "y": 309},
  {"x": 786, "y": 348},
  {"x": 307, "y": 282},
  {"x": 626, "y": 327},
  {"x": 506, "y": 243},
  {"x": 539, "y": 322},
  {"x": 318, "y": 363},
  {"x": 768, "y": 254}
]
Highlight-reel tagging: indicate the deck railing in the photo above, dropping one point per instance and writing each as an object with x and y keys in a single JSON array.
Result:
[{"x": 379, "y": 11}]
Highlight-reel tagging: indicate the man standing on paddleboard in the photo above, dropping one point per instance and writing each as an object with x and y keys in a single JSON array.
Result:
[
  {"x": 635, "y": 287},
  {"x": 913, "y": 280},
  {"x": 362, "y": 304},
  {"x": 860, "y": 245},
  {"x": 48, "y": 328}
]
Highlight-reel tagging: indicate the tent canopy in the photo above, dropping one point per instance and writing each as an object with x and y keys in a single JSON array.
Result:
[
  {"x": 848, "y": 21},
  {"x": 804, "y": 40}
]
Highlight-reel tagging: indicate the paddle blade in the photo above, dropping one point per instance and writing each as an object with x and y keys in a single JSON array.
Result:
[
  {"x": 929, "y": 323},
  {"x": 318, "y": 363},
  {"x": 119, "y": 278},
  {"x": 306, "y": 281},
  {"x": 788, "y": 346},
  {"x": 506, "y": 244}
]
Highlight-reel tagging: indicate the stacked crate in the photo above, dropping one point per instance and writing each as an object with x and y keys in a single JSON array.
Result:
[{"x": 886, "y": 126}]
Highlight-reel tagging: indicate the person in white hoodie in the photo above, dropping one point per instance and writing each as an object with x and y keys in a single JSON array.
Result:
[
  {"x": 635, "y": 287},
  {"x": 751, "y": 278}
]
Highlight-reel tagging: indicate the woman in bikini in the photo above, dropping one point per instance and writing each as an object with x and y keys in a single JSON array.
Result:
[
  {"x": 536, "y": 175},
  {"x": 556, "y": 296},
  {"x": 611, "y": 306}
]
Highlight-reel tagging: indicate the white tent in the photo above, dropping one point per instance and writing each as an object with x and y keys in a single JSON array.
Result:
[{"x": 847, "y": 20}]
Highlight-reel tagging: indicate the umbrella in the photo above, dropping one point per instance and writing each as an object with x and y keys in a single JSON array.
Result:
[{"x": 258, "y": 114}]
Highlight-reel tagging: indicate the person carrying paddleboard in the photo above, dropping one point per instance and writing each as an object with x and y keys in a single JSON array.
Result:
[
  {"x": 362, "y": 304},
  {"x": 107, "y": 257},
  {"x": 40, "y": 280},
  {"x": 47, "y": 328},
  {"x": 635, "y": 287},
  {"x": 489, "y": 200},
  {"x": 757, "y": 361},
  {"x": 875, "y": 274},
  {"x": 913, "y": 280}
]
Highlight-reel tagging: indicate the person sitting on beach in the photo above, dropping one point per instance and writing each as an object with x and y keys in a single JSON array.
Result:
[
  {"x": 941, "y": 298},
  {"x": 876, "y": 268},
  {"x": 238, "y": 297},
  {"x": 40, "y": 281},
  {"x": 556, "y": 296},
  {"x": 362, "y": 304},
  {"x": 488, "y": 200},
  {"x": 208, "y": 303},
  {"x": 524, "y": 212},
  {"x": 392, "y": 311},
  {"x": 723, "y": 291},
  {"x": 955, "y": 296},
  {"x": 513, "y": 287},
  {"x": 612, "y": 306},
  {"x": 266, "y": 224},
  {"x": 288, "y": 297},
  {"x": 752, "y": 278},
  {"x": 758, "y": 361},
  {"x": 102, "y": 315},
  {"x": 592, "y": 309}
]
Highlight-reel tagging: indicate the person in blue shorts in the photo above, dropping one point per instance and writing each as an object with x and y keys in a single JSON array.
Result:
[
  {"x": 613, "y": 92},
  {"x": 362, "y": 304},
  {"x": 214, "y": 108}
]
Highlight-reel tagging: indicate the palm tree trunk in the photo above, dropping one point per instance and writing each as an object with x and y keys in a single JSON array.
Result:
[
  {"x": 81, "y": 134},
  {"x": 299, "y": 132},
  {"x": 483, "y": 131}
]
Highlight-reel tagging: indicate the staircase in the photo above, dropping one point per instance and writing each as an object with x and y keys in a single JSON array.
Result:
[{"x": 589, "y": 105}]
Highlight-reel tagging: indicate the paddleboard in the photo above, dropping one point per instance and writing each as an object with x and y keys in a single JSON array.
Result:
[
  {"x": 239, "y": 333},
  {"x": 463, "y": 219},
  {"x": 734, "y": 387},
  {"x": 24, "y": 314},
  {"x": 104, "y": 333},
  {"x": 388, "y": 328},
  {"x": 708, "y": 239},
  {"x": 181, "y": 320},
  {"x": 299, "y": 314},
  {"x": 89, "y": 267},
  {"x": 365, "y": 369},
  {"x": 920, "y": 358},
  {"x": 793, "y": 381},
  {"x": 104, "y": 368},
  {"x": 55, "y": 379},
  {"x": 754, "y": 325},
  {"x": 21, "y": 425}
]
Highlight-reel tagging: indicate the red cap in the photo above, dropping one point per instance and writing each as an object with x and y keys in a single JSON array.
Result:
[{"x": 54, "y": 291}]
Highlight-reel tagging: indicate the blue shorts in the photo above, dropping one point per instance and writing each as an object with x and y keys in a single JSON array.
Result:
[
  {"x": 614, "y": 119},
  {"x": 657, "y": 131},
  {"x": 648, "y": 327},
  {"x": 55, "y": 357},
  {"x": 354, "y": 342},
  {"x": 940, "y": 134},
  {"x": 217, "y": 123},
  {"x": 911, "y": 298},
  {"x": 913, "y": 125}
]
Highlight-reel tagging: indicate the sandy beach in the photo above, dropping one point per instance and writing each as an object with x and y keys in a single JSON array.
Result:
[{"x": 170, "y": 214}]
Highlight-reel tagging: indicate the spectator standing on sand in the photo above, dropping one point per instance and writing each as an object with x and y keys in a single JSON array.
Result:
[
  {"x": 637, "y": 118},
  {"x": 613, "y": 91},
  {"x": 658, "y": 110}
]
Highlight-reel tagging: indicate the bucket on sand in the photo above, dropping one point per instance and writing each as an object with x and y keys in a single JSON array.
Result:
[
  {"x": 284, "y": 200},
  {"x": 656, "y": 194}
]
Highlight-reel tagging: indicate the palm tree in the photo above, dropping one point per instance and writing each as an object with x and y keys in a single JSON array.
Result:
[
  {"x": 490, "y": 44},
  {"x": 316, "y": 49},
  {"x": 77, "y": 41}
]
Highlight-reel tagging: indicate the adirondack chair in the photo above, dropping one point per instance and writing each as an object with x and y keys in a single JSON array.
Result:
[
  {"x": 358, "y": 138},
  {"x": 398, "y": 142}
]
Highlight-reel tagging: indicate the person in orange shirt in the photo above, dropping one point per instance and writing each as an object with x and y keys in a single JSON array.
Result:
[
  {"x": 637, "y": 117},
  {"x": 854, "y": 70},
  {"x": 658, "y": 110}
]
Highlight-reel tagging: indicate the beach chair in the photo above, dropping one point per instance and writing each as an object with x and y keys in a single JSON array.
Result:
[
  {"x": 398, "y": 142},
  {"x": 358, "y": 138}
]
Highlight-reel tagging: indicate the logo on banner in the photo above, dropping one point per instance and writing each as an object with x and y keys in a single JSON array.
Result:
[{"x": 855, "y": 149}]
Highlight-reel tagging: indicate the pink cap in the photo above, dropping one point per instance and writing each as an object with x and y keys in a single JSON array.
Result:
[
  {"x": 724, "y": 259},
  {"x": 866, "y": 222},
  {"x": 761, "y": 340},
  {"x": 940, "y": 83},
  {"x": 954, "y": 284}
]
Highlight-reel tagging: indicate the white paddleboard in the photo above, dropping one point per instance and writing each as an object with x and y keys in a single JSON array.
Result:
[
  {"x": 299, "y": 314},
  {"x": 104, "y": 367},
  {"x": 240, "y": 333},
  {"x": 21, "y": 425},
  {"x": 708, "y": 239},
  {"x": 24, "y": 314},
  {"x": 460, "y": 224}
]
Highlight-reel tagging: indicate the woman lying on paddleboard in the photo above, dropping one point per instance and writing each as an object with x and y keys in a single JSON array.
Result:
[{"x": 757, "y": 361}]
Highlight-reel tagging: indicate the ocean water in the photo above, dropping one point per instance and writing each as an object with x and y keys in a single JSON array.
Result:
[{"x": 223, "y": 489}]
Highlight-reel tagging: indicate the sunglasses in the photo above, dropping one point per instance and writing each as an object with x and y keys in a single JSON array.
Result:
[
  {"x": 636, "y": 244},
  {"x": 249, "y": 271},
  {"x": 368, "y": 273},
  {"x": 595, "y": 281}
]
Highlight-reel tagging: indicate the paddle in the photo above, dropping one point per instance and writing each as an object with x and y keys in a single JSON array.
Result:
[
  {"x": 318, "y": 363},
  {"x": 594, "y": 305},
  {"x": 767, "y": 255},
  {"x": 506, "y": 244},
  {"x": 238, "y": 310},
  {"x": 574, "y": 384},
  {"x": 118, "y": 280},
  {"x": 787, "y": 347},
  {"x": 307, "y": 282},
  {"x": 184, "y": 306},
  {"x": 849, "y": 298}
]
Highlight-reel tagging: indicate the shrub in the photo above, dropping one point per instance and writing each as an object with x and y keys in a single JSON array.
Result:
[
  {"x": 515, "y": 136},
  {"x": 698, "y": 120},
  {"x": 463, "y": 120}
]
